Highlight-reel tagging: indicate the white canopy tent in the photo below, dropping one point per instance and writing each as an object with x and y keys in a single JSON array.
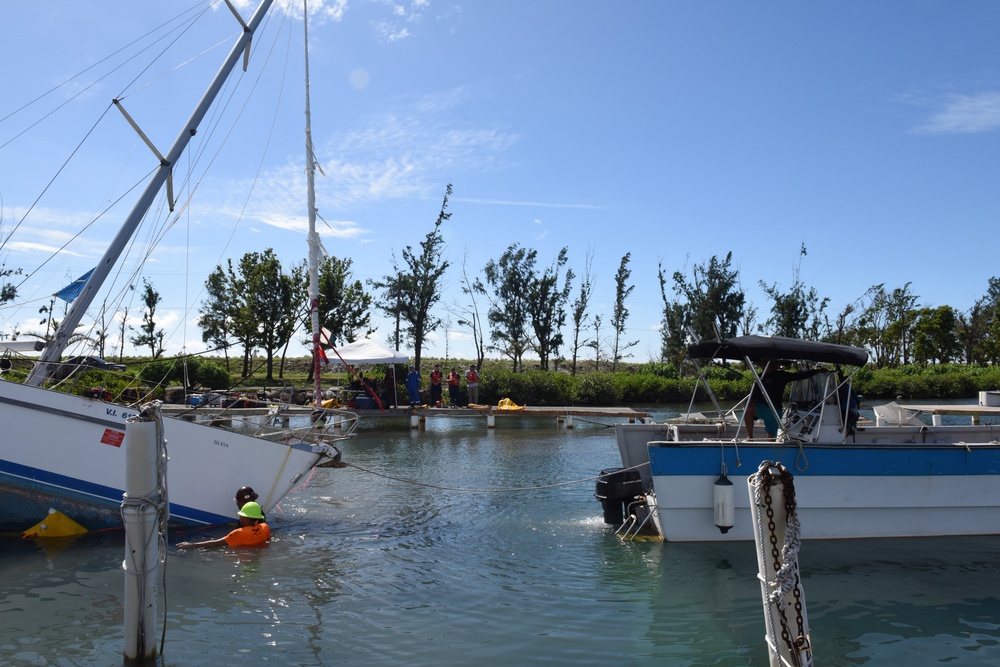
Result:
[
  {"x": 362, "y": 352},
  {"x": 366, "y": 352}
]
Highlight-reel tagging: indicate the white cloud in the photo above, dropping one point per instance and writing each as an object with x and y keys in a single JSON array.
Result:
[
  {"x": 28, "y": 246},
  {"x": 332, "y": 10},
  {"x": 965, "y": 114},
  {"x": 538, "y": 204},
  {"x": 394, "y": 155},
  {"x": 402, "y": 15}
]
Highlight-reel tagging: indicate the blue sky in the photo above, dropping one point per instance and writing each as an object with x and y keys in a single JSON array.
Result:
[{"x": 672, "y": 130}]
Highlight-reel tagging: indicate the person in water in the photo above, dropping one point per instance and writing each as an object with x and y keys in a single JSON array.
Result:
[
  {"x": 252, "y": 531},
  {"x": 245, "y": 495}
]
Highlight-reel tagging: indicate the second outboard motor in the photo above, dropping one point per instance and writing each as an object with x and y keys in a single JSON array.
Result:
[{"x": 616, "y": 488}]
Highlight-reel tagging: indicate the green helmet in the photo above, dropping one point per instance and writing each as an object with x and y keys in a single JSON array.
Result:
[{"x": 251, "y": 511}]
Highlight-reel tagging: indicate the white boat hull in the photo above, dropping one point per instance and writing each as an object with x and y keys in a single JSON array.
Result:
[
  {"x": 843, "y": 492},
  {"x": 64, "y": 450}
]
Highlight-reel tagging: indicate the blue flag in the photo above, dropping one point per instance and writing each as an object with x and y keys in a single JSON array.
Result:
[{"x": 73, "y": 290}]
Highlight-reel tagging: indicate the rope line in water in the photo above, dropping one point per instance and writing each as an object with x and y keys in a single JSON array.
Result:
[{"x": 504, "y": 490}]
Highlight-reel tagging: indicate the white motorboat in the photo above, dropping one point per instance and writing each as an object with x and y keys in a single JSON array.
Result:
[{"x": 898, "y": 477}]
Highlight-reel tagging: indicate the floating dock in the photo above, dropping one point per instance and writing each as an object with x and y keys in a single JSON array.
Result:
[{"x": 417, "y": 417}]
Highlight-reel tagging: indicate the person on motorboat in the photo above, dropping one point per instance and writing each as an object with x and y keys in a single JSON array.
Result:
[{"x": 771, "y": 385}]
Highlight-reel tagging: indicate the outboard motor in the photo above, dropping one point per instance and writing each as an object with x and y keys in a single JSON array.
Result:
[{"x": 616, "y": 488}]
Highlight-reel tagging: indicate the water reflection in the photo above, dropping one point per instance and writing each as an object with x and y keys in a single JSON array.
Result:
[{"x": 368, "y": 570}]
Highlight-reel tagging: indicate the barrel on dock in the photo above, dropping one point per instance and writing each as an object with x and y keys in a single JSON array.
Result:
[{"x": 616, "y": 488}]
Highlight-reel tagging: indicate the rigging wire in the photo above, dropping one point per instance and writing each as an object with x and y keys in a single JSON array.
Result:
[
  {"x": 183, "y": 29},
  {"x": 500, "y": 490},
  {"x": 84, "y": 229},
  {"x": 157, "y": 234},
  {"x": 93, "y": 83},
  {"x": 213, "y": 125}
]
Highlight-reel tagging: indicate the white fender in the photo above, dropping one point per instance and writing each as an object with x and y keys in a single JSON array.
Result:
[{"x": 725, "y": 515}]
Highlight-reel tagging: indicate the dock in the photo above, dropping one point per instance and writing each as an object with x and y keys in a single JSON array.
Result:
[
  {"x": 936, "y": 411},
  {"x": 417, "y": 417}
]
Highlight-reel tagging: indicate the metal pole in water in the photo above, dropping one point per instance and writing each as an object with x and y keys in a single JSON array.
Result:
[
  {"x": 776, "y": 535},
  {"x": 144, "y": 511}
]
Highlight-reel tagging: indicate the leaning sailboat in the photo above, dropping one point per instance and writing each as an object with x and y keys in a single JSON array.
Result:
[{"x": 65, "y": 451}]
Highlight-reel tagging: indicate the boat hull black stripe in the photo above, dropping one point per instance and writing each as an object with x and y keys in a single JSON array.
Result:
[{"x": 117, "y": 425}]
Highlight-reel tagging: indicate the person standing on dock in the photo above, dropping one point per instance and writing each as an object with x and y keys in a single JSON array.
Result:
[
  {"x": 389, "y": 395},
  {"x": 436, "y": 377},
  {"x": 472, "y": 383},
  {"x": 413, "y": 386},
  {"x": 454, "y": 380}
]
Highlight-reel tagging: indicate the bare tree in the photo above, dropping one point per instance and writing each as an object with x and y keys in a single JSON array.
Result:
[
  {"x": 416, "y": 290},
  {"x": 578, "y": 309},
  {"x": 620, "y": 314},
  {"x": 597, "y": 343},
  {"x": 468, "y": 314},
  {"x": 147, "y": 335}
]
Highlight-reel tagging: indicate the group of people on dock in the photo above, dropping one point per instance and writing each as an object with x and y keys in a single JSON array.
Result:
[{"x": 413, "y": 382}]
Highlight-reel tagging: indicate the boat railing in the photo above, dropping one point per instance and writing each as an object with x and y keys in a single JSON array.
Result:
[{"x": 281, "y": 423}]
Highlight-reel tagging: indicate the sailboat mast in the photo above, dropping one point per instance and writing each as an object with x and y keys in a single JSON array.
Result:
[
  {"x": 313, "y": 240},
  {"x": 53, "y": 349}
]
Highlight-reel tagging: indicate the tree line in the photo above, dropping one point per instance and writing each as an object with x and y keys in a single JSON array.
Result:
[
  {"x": 890, "y": 322},
  {"x": 520, "y": 303}
]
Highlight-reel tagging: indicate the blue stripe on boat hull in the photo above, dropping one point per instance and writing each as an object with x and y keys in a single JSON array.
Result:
[
  {"x": 686, "y": 458},
  {"x": 28, "y": 494}
]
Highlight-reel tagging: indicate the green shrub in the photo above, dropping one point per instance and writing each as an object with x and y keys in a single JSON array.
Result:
[
  {"x": 84, "y": 382},
  {"x": 598, "y": 389},
  {"x": 662, "y": 370},
  {"x": 200, "y": 373},
  {"x": 533, "y": 387}
]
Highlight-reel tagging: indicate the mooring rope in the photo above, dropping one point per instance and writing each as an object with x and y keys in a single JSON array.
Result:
[{"x": 502, "y": 490}]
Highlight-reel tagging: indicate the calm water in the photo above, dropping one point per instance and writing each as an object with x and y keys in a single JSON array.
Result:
[{"x": 366, "y": 570}]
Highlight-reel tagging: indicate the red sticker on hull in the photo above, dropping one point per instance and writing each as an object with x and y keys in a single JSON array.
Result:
[{"x": 113, "y": 438}]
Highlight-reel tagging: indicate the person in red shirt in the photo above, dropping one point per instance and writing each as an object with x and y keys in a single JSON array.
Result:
[
  {"x": 436, "y": 377},
  {"x": 472, "y": 383},
  {"x": 454, "y": 380},
  {"x": 252, "y": 532}
]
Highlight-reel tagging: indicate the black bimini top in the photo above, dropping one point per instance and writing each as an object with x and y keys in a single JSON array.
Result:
[{"x": 767, "y": 348}]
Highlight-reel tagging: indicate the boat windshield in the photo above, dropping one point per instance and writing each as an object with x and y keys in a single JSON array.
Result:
[{"x": 809, "y": 392}]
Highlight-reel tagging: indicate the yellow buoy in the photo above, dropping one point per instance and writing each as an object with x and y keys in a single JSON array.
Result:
[{"x": 56, "y": 524}]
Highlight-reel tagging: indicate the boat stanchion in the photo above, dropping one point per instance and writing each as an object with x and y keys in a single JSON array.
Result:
[
  {"x": 777, "y": 537},
  {"x": 144, "y": 511}
]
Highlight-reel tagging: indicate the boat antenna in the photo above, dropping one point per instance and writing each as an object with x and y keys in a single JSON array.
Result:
[{"x": 313, "y": 240}]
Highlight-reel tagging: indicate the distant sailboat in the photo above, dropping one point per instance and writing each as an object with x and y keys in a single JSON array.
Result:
[{"x": 64, "y": 451}]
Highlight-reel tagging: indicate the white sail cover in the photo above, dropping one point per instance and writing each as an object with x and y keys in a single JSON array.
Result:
[{"x": 362, "y": 352}]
